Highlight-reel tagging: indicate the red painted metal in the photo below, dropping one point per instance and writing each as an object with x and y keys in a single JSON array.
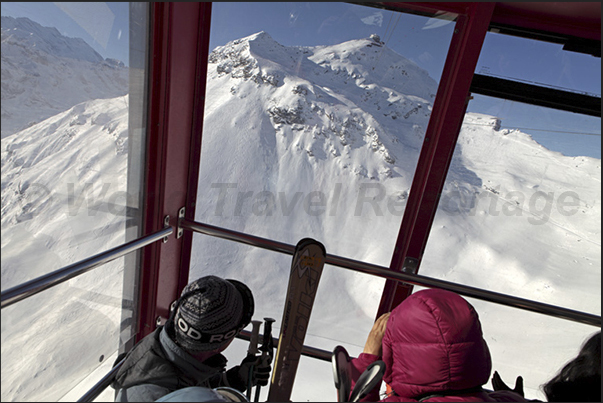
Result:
[
  {"x": 152, "y": 207},
  {"x": 197, "y": 129},
  {"x": 440, "y": 139},
  {"x": 579, "y": 19},
  {"x": 429, "y": 7},
  {"x": 176, "y": 75}
]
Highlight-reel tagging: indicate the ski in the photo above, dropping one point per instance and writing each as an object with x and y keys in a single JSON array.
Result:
[{"x": 306, "y": 269}]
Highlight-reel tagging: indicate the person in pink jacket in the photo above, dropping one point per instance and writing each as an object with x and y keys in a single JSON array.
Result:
[{"x": 433, "y": 349}]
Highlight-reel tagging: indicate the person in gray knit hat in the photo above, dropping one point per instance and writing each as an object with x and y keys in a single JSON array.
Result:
[
  {"x": 185, "y": 352},
  {"x": 210, "y": 313}
]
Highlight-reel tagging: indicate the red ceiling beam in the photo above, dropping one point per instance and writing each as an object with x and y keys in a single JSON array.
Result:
[
  {"x": 429, "y": 7},
  {"x": 438, "y": 146},
  {"x": 578, "y": 19},
  {"x": 177, "y": 70}
]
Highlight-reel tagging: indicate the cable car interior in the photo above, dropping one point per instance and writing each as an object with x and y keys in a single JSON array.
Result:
[{"x": 451, "y": 145}]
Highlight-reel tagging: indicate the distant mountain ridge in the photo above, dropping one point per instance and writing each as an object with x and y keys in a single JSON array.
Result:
[
  {"x": 45, "y": 73},
  {"x": 47, "y": 39},
  {"x": 333, "y": 99}
]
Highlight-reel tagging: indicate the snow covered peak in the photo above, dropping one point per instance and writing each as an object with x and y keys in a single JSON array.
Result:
[
  {"x": 45, "y": 73},
  {"x": 365, "y": 61},
  {"x": 336, "y": 100},
  {"x": 259, "y": 39},
  {"x": 379, "y": 65},
  {"x": 261, "y": 36},
  {"x": 30, "y": 34}
]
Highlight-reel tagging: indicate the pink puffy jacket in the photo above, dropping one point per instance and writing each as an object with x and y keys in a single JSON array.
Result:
[{"x": 433, "y": 350}]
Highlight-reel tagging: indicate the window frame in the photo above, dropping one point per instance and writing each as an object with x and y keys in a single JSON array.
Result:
[{"x": 179, "y": 66}]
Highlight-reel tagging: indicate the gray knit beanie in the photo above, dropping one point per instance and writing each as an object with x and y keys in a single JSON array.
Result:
[{"x": 210, "y": 312}]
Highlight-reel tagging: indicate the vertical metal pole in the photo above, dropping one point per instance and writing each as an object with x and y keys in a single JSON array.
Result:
[
  {"x": 178, "y": 63},
  {"x": 438, "y": 146}
]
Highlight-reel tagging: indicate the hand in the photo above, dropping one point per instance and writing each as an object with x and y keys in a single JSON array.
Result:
[
  {"x": 498, "y": 384},
  {"x": 252, "y": 369},
  {"x": 262, "y": 371},
  {"x": 375, "y": 337}
]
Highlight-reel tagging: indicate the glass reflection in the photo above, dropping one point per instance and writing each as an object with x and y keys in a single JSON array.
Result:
[
  {"x": 72, "y": 135},
  {"x": 314, "y": 118},
  {"x": 321, "y": 125},
  {"x": 520, "y": 219}
]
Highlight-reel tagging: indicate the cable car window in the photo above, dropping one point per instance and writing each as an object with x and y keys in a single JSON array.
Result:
[
  {"x": 519, "y": 217},
  {"x": 313, "y": 126},
  {"x": 73, "y": 128},
  {"x": 520, "y": 211},
  {"x": 540, "y": 63},
  {"x": 315, "y": 115},
  {"x": 338, "y": 317},
  {"x": 527, "y": 344}
]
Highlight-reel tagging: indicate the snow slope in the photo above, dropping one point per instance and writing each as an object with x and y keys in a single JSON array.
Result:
[
  {"x": 50, "y": 219},
  {"x": 298, "y": 142}
]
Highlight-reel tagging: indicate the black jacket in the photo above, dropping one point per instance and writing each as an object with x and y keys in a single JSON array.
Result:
[{"x": 157, "y": 366}]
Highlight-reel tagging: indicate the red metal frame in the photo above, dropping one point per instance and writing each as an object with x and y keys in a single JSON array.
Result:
[
  {"x": 579, "y": 19},
  {"x": 176, "y": 98},
  {"x": 179, "y": 49},
  {"x": 197, "y": 136},
  {"x": 438, "y": 146},
  {"x": 429, "y": 7}
]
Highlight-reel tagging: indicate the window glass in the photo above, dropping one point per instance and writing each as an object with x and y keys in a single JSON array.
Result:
[
  {"x": 539, "y": 63},
  {"x": 315, "y": 115},
  {"x": 529, "y": 344},
  {"x": 547, "y": 65},
  {"x": 571, "y": 134},
  {"x": 520, "y": 212},
  {"x": 314, "y": 118},
  {"x": 518, "y": 218},
  {"x": 73, "y": 100},
  {"x": 308, "y": 132},
  {"x": 343, "y": 312}
]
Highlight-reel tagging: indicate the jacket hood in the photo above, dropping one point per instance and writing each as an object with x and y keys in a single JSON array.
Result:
[{"x": 433, "y": 343}]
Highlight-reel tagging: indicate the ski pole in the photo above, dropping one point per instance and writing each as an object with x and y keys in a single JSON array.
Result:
[
  {"x": 267, "y": 351},
  {"x": 253, "y": 350}
]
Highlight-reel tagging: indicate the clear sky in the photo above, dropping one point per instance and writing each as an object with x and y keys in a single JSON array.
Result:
[{"x": 420, "y": 39}]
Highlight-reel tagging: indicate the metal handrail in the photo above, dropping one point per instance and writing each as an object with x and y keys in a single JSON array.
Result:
[
  {"x": 308, "y": 351},
  {"x": 32, "y": 287},
  {"x": 367, "y": 268},
  {"x": 415, "y": 279},
  {"x": 101, "y": 385},
  {"x": 235, "y": 236}
]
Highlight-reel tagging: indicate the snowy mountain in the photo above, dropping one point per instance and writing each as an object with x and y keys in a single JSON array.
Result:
[
  {"x": 44, "y": 73},
  {"x": 299, "y": 142},
  {"x": 326, "y": 111},
  {"x": 308, "y": 123},
  {"x": 59, "y": 181},
  {"x": 342, "y": 126}
]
